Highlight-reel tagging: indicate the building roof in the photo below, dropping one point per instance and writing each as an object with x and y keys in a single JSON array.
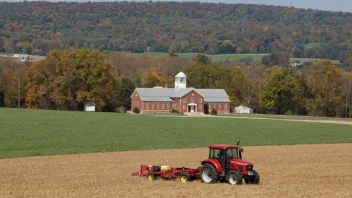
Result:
[
  {"x": 215, "y": 100},
  {"x": 180, "y": 75},
  {"x": 181, "y": 92},
  {"x": 166, "y": 94},
  {"x": 155, "y": 94},
  {"x": 213, "y": 93}
]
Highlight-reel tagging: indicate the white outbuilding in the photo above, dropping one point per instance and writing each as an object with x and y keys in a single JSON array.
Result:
[
  {"x": 243, "y": 109},
  {"x": 89, "y": 106}
]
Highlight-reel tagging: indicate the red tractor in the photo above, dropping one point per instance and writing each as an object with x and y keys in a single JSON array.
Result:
[{"x": 225, "y": 163}]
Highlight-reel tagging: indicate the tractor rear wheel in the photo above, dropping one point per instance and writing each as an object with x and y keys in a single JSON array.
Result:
[
  {"x": 185, "y": 177},
  {"x": 234, "y": 178},
  {"x": 151, "y": 176},
  {"x": 208, "y": 174}
]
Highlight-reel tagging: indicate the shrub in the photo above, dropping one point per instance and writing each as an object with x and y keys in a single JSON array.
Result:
[
  {"x": 214, "y": 112},
  {"x": 120, "y": 110},
  {"x": 288, "y": 112},
  {"x": 136, "y": 110},
  {"x": 174, "y": 111}
]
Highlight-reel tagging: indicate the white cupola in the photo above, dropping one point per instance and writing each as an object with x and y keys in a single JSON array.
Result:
[{"x": 180, "y": 81}]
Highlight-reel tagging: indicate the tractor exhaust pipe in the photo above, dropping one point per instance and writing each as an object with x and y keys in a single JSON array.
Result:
[{"x": 240, "y": 149}]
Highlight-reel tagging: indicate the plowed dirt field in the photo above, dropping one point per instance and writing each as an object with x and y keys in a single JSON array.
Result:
[{"x": 286, "y": 171}]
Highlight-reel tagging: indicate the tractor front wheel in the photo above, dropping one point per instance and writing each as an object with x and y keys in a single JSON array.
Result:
[
  {"x": 185, "y": 177},
  {"x": 234, "y": 178},
  {"x": 255, "y": 179},
  {"x": 208, "y": 174}
]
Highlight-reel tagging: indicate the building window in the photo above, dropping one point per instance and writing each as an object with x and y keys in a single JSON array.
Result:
[
  {"x": 210, "y": 107},
  {"x": 157, "y": 105},
  {"x": 200, "y": 107},
  {"x": 147, "y": 105},
  {"x": 185, "y": 100},
  {"x": 219, "y": 106},
  {"x": 225, "y": 106},
  {"x": 152, "y": 105},
  {"x": 163, "y": 106},
  {"x": 173, "y": 106},
  {"x": 192, "y": 99},
  {"x": 137, "y": 104},
  {"x": 168, "y": 105},
  {"x": 200, "y": 100},
  {"x": 184, "y": 106}
]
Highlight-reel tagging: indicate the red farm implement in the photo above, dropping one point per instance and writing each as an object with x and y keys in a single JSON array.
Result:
[
  {"x": 224, "y": 164},
  {"x": 152, "y": 172}
]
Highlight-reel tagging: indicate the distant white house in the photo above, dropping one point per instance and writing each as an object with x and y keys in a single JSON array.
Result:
[
  {"x": 89, "y": 106},
  {"x": 296, "y": 64},
  {"x": 243, "y": 109},
  {"x": 22, "y": 57}
]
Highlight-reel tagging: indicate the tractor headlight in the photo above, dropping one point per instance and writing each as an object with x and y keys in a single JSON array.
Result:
[{"x": 250, "y": 172}]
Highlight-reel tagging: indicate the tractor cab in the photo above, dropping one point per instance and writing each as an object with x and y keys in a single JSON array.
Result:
[
  {"x": 225, "y": 154},
  {"x": 225, "y": 161}
]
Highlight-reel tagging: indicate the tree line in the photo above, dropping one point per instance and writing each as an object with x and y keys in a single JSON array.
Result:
[
  {"x": 38, "y": 27},
  {"x": 67, "y": 79}
]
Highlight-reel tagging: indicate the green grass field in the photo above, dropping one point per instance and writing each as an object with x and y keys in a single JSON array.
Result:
[
  {"x": 285, "y": 117},
  {"x": 222, "y": 57},
  {"x": 214, "y": 58},
  {"x": 39, "y": 132},
  {"x": 313, "y": 45},
  {"x": 7, "y": 54}
]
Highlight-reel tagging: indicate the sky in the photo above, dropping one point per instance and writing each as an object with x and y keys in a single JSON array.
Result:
[{"x": 330, "y": 5}]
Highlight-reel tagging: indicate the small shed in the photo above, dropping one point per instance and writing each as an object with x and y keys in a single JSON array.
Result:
[
  {"x": 243, "y": 109},
  {"x": 89, "y": 106},
  {"x": 22, "y": 57}
]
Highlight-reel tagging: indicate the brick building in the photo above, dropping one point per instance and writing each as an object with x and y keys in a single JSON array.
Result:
[{"x": 180, "y": 98}]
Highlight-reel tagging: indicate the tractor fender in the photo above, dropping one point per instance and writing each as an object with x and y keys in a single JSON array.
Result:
[{"x": 213, "y": 162}]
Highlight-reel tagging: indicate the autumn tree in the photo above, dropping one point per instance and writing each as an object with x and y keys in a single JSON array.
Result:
[
  {"x": 325, "y": 80},
  {"x": 347, "y": 93},
  {"x": 153, "y": 77},
  {"x": 68, "y": 79},
  {"x": 277, "y": 90},
  {"x": 12, "y": 82},
  {"x": 280, "y": 59},
  {"x": 250, "y": 86},
  {"x": 201, "y": 59},
  {"x": 121, "y": 101},
  {"x": 303, "y": 93}
]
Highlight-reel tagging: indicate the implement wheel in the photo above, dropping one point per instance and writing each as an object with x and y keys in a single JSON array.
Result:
[
  {"x": 234, "y": 178},
  {"x": 208, "y": 174},
  {"x": 185, "y": 177},
  {"x": 151, "y": 177}
]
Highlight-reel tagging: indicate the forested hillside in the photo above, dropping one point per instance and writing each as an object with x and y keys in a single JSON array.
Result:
[{"x": 37, "y": 27}]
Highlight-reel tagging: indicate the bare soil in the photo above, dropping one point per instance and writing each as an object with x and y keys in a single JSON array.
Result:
[{"x": 286, "y": 171}]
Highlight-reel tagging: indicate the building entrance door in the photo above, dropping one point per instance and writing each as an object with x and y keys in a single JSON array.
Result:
[{"x": 192, "y": 108}]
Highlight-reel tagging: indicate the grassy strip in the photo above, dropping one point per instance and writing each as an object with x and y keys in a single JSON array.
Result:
[{"x": 40, "y": 132}]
